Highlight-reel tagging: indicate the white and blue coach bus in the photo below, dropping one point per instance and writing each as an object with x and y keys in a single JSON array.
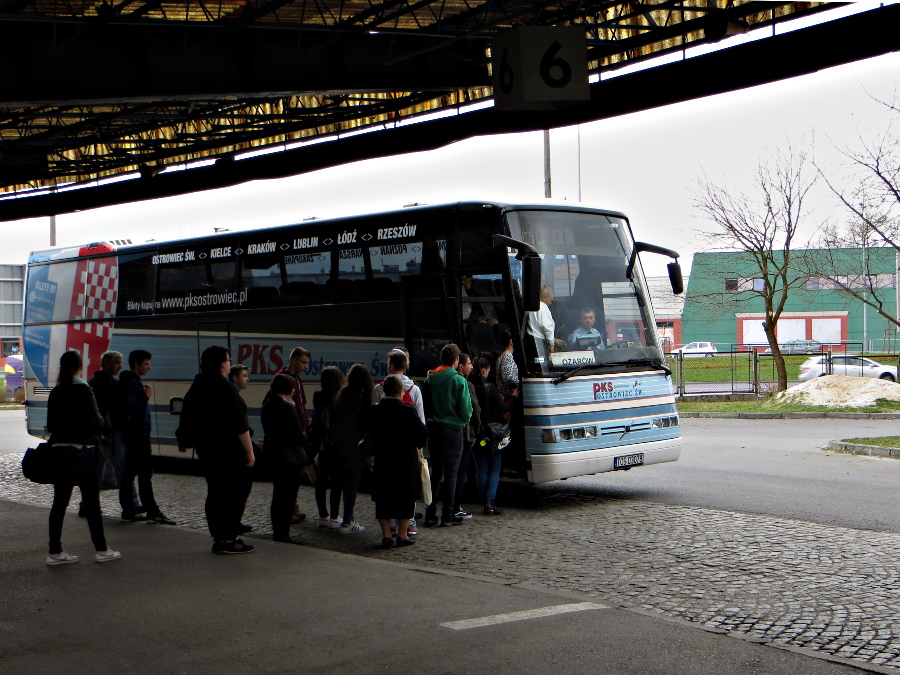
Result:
[{"x": 350, "y": 289}]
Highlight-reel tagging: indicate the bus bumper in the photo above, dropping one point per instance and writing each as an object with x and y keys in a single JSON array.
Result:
[{"x": 549, "y": 467}]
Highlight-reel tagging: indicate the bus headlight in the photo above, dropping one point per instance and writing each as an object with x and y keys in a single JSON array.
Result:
[
  {"x": 665, "y": 422},
  {"x": 578, "y": 433}
]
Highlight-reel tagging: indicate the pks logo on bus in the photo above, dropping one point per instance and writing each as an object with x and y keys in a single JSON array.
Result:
[{"x": 607, "y": 391}]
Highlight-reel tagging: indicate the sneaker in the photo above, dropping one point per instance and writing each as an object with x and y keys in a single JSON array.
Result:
[
  {"x": 324, "y": 521},
  {"x": 352, "y": 528},
  {"x": 405, "y": 542},
  {"x": 107, "y": 555},
  {"x": 450, "y": 522},
  {"x": 61, "y": 558},
  {"x": 161, "y": 519},
  {"x": 462, "y": 514},
  {"x": 412, "y": 530},
  {"x": 140, "y": 509},
  {"x": 335, "y": 523},
  {"x": 133, "y": 517},
  {"x": 287, "y": 539},
  {"x": 236, "y": 546}
]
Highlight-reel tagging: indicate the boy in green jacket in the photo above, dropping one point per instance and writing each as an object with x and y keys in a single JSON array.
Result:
[{"x": 450, "y": 407}]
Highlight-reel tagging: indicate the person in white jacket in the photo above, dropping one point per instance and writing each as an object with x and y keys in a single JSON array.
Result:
[
  {"x": 398, "y": 362},
  {"x": 541, "y": 325}
]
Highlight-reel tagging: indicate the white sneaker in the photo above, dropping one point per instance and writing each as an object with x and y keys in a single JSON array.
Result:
[
  {"x": 325, "y": 522},
  {"x": 352, "y": 528},
  {"x": 61, "y": 558},
  {"x": 107, "y": 555},
  {"x": 335, "y": 523}
]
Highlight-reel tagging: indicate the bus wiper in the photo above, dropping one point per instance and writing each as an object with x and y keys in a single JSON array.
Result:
[
  {"x": 656, "y": 363},
  {"x": 566, "y": 376}
]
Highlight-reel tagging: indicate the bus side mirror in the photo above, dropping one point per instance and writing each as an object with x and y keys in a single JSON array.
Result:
[
  {"x": 675, "y": 277},
  {"x": 531, "y": 283}
]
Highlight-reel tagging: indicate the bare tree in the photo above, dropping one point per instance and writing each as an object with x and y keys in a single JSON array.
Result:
[
  {"x": 763, "y": 223},
  {"x": 870, "y": 196}
]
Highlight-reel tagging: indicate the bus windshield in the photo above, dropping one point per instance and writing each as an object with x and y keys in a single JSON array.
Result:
[{"x": 591, "y": 314}]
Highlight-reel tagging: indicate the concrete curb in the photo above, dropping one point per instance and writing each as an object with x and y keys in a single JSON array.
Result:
[
  {"x": 856, "y": 449},
  {"x": 793, "y": 416}
]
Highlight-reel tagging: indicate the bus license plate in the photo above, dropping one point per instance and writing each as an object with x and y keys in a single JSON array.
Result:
[{"x": 627, "y": 461}]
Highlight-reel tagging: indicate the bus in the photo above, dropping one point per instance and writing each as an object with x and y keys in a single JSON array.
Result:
[{"x": 350, "y": 289}]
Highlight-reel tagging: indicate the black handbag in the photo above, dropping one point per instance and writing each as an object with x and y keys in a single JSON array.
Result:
[
  {"x": 497, "y": 436},
  {"x": 42, "y": 464}
]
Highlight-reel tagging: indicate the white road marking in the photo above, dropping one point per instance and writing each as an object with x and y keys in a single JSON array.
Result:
[{"x": 522, "y": 616}]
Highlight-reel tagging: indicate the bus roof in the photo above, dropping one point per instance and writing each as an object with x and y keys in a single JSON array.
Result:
[{"x": 99, "y": 248}]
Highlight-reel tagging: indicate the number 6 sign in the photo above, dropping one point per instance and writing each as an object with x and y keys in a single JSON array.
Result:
[{"x": 538, "y": 67}]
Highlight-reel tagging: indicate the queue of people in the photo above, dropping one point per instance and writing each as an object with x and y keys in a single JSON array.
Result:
[{"x": 356, "y": 426}]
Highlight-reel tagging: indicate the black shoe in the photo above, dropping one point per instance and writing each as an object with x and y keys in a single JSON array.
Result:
[
  {"x": 431, "y": 522},
  {"x": 133, "y": 517},
  {"x": 236, "y": 546},
  {"x": 450, "y": 522},
  {"x": 244, "y": 529},
  {"x": 387, "y": 542},
  {"x": 140, "y": 509},
  {"x": 287, "y": 539},
  {"x": 160, "y": 519},
  {"x": 405, "y": 542},
  {"x": 491, "y": 509}
]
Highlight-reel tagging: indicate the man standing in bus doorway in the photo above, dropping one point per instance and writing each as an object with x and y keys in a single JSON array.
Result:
[
  {"x": 450, "y": 407},
  {"x": 297, "y": 365},
  {"x": 131, "y": 417}
]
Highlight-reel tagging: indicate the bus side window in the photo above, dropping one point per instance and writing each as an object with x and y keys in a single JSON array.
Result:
[{"x": 305, "y": 278}]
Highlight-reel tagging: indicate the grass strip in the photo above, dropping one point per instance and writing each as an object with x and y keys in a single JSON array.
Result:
[{"x": 880, "y": 441}]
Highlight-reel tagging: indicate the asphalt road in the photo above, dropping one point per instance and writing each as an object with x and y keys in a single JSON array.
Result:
[
  {"x": 13, "y": 437},
  {"x": 768, "y": 467}
]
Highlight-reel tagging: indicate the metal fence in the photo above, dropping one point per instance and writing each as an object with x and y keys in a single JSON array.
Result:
[{"x": 749, "y": 370}]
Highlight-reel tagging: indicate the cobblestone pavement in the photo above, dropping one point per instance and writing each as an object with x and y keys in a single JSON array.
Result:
[{"x": 828, "y": 589}]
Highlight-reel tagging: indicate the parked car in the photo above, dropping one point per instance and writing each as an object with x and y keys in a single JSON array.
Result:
[
  {"x": 696, "y": 349},
  {"x": 846, "y": 364},
  {"x": 798, "y": 347}
]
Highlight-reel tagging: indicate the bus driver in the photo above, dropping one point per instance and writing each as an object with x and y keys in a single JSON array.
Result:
[{"x": 586, "y": 335}]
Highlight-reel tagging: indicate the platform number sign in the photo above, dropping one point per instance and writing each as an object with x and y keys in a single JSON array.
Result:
[{"x": 537, "y": 67}]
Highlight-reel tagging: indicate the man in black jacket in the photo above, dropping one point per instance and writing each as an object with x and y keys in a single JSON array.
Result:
[
  {"x": 131, "y": 417},
  {"x": 104, "y": 383},
  {"x": 214, "y": 422}
]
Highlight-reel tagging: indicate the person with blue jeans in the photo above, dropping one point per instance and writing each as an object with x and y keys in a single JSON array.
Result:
[
  {"x": 493, "y": 407},
  {"x": 448, "y": 408}
]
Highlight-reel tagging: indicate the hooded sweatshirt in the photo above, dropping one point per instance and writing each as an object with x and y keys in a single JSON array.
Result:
[{"x": 450, "y": 398}]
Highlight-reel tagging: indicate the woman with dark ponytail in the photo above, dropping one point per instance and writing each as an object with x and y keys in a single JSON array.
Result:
[{"x": 75, "y": 424}]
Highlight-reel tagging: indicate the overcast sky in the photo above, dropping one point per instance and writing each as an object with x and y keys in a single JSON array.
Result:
[{"x": 645, "y": 165}]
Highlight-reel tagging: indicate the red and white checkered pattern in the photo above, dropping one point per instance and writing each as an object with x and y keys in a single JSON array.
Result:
[
  {"x": 99, "y": 295},
  {"x": 95, "y": 296}
]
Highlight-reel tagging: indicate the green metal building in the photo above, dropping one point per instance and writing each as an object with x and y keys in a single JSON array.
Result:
[{"x": 722, "y": 304}]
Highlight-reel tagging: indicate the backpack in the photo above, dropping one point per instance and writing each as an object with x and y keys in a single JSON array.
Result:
[{"x": 407, "y": 397}]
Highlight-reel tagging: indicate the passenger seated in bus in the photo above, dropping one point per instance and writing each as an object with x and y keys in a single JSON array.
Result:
[{"x": 586, "y": 336}]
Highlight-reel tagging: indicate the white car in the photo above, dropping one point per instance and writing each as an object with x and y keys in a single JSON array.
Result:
[
  {"x": 846, "y": 364},
  {"x": 696, "y": 349}
]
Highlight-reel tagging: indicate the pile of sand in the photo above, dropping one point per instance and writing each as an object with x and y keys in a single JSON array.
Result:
[{"x": 840, "y": 390}]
